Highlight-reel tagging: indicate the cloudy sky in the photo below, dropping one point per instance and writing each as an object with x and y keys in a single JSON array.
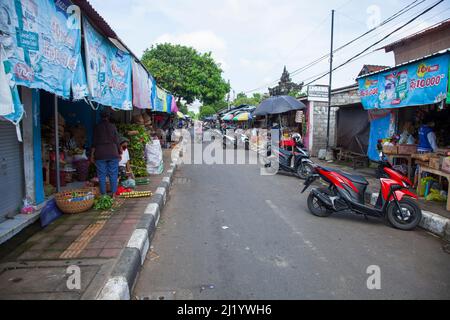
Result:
[{"x": 254, "y": 39}]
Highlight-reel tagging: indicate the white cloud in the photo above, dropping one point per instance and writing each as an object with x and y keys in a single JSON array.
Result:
[{"x": 254, "y": 39}]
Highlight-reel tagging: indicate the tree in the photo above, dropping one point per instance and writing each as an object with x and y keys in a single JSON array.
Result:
[
  {"x": 242, "y": 98},
  {"x": 206, "y": 111},
  {"x": 186, "y": 73}
]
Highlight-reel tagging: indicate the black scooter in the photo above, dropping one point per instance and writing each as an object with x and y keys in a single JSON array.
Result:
[{"x": 297, "y": 161}]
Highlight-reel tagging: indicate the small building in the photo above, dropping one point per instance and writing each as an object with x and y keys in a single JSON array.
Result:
[{"x": 421, "y": 44}]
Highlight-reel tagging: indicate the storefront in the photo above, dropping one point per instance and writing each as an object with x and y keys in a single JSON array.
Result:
[
  {"x": 407, "y": 95},
  {"x": 409, "y": 111},
  {"x": 64, "y": 81}
]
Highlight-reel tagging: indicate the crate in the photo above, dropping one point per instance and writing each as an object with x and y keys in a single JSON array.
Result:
[
  {"x": 407, "y": 149},
  {"x": 435, "y": 163},
  {"x": 388, "y": 149},
  {"x": 425, "y": 157}
]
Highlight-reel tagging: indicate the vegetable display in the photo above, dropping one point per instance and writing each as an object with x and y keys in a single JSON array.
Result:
[
  {"x": 103, "y": 203},
  {"x": 136, "y": 146}
]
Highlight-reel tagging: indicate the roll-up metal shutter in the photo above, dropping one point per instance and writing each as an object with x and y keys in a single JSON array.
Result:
[{"x": 12, "y": 184}]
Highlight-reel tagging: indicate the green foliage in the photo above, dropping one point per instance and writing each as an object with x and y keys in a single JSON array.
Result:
[
  {"x": 186, "y": 73},
  {"x": 206, "y": 111},
  {"x": 254, "y": 100},
  {"x": 103, "y": 203},
  {"x": 297, "y": 94},
  {"x": 136, "y": 147}
]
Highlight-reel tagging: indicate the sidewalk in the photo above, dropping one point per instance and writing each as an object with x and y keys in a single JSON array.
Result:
[
  {"x": 33, "y": 265},
  {"x": 436, "y": 217}
]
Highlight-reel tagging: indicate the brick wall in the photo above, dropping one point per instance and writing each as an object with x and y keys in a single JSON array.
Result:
[{"x": 320, "y": 127}]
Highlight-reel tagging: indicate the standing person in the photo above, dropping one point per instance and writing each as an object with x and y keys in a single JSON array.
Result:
[
  {"x": 124, "y": 164},
  {"x": 427, "y": 138},
  {"x": 106, "y": 152}
]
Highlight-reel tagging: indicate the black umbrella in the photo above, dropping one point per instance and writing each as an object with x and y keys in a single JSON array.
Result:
[{"x": 277, "y": 105}]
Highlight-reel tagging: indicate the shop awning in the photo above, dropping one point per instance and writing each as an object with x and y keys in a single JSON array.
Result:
[
  {"x": 228, "y": 117},
  {"x": 244, "y": 116},
  {"x": 419, "y": 82}
]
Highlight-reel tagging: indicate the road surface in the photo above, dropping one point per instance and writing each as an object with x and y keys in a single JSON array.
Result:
[{"x": 230, "y": 233}]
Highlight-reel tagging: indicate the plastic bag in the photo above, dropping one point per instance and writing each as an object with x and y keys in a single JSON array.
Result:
[
  {"x": 130, "y": 183},
  {"x": 435, "y": 195},
  {"x": 154, "y": 158},
  {"x": 49, "y": 213}
]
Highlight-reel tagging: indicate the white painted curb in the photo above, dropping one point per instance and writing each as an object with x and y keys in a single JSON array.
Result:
[
  {"x": 115, "y": 289},
  {"x": 431, "y": 222},
  {"x": 139, "y": 240}
]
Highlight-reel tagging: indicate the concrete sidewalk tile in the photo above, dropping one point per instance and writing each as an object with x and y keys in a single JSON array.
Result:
[
  {"x": 110, "y": 253},
  {"x": 90, "y": 253}
]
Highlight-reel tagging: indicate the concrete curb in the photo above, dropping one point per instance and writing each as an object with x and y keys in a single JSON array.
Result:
[
  {"x": 431, "y": 222},
  {"x": 126, "y": 270}
]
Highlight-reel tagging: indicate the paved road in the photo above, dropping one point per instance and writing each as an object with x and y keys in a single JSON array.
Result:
[{"x": 230, "y": 233}]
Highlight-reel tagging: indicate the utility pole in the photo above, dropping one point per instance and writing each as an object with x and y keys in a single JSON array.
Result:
[{"x": 331, "y": 80}]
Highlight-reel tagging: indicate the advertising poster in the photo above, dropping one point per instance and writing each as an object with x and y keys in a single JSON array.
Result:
[
  {"x": 419, "y": 83},
  {"x": 108, "y": 70},
  {"x": 42, "y": 43},
  {"x": 142, "y": 87}
]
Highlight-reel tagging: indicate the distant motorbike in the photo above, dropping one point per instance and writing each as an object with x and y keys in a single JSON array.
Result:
[{"x": 297, "y": 161}]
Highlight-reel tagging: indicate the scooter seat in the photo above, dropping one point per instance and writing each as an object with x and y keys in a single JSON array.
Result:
[
  {"x": 355, "y": 178},
  {"x": 352, "y": 177}
]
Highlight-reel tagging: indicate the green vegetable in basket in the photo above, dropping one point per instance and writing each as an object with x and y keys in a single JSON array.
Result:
[{"x": 103, "y": 203}]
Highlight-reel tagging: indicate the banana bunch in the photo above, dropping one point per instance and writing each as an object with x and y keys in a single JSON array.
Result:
[{"x": 136, "y": 194}]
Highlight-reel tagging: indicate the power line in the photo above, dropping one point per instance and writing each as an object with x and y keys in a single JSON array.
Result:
[
  {"x": 379, "y": 41},
  {"x": 320, "y": 59},
  {"x": 391, "y": 18}
]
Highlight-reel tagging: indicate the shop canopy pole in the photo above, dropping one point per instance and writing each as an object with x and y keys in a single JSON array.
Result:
[{"x": 58, "y": 177}]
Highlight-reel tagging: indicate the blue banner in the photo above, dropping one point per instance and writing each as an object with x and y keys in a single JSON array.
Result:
[
  {"x": 420, "y": 83},
  {"x": 42, "y": 42},
  {"x": 108, "y": 70}
]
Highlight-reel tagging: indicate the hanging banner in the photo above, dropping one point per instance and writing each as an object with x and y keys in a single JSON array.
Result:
[
  {"x": 142, "y": 87},
  {"x": 160, "y": 100},
  {"x": 11, "y": 109},
  {"x": 420, "y": 83},
  {"x": 42, "y": 41},
  {"x": 174, "y": 107},
  {"x": 108, "y": 70}
]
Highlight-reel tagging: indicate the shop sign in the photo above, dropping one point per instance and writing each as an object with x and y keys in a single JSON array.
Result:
[
  {"x": 318, "y": 93},
  {"x": 42, "y": 43},
  {"x": 108, "y": 70},
  {"x": 420, "y": 83}
]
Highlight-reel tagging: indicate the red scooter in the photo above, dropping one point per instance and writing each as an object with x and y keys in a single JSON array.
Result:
[{"x": 347, "y": 192}]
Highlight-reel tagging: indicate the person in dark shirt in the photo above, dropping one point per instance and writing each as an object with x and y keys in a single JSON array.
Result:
[{"x": 106, "y": 152}]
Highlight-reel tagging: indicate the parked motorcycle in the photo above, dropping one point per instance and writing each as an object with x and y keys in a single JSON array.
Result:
[
  {"x": 347, "y": 192},
  {"x": 297, "y": 161}
]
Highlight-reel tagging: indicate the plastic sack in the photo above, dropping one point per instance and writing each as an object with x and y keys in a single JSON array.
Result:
[
  {"x": 49, "y": 213},
  {"x": 153, "y": 153},
  {"x": 130, "y": 183},
  {"x": 154, "y": 158},
  {"x": 156, "y": 170},
  {"x": 435, "y": 195}
]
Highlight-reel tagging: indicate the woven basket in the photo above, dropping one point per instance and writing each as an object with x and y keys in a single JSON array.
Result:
[
  {"x": 95, "y": 191},
  {"x": 73, "y": 207}
]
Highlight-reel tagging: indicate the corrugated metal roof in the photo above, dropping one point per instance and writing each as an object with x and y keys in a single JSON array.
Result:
[
  {"x": 439, "y": 26},
  {"x": 95, "y": 18},
  {"x": 406, "y": 63}
]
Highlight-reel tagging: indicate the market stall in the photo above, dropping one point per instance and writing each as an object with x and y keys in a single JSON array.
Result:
[{"x": 409, "y": 112}]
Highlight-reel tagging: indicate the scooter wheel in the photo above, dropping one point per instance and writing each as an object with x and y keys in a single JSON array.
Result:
[
  {"x": 316, "y": 206},
  {"x": 304, "y": 170},
  {"x": 412, "y": 211}
]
